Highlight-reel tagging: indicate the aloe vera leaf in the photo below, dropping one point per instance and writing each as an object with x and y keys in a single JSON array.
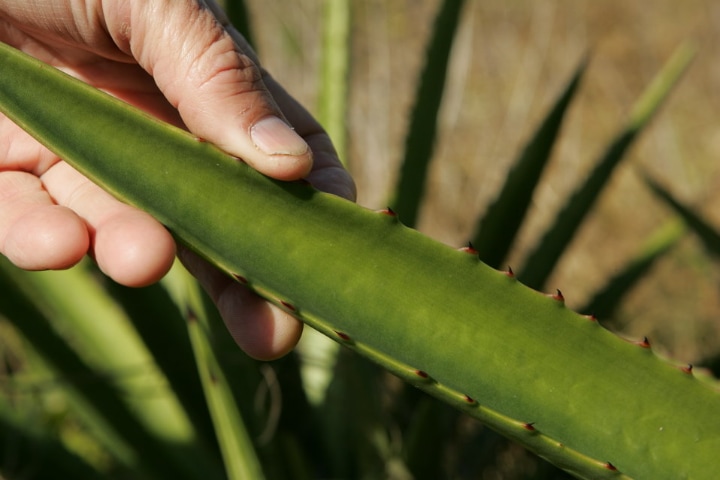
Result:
[
  {"x": 243, "y": 378},
  {"x": 95, "y": 399},
  {"x": 36, "y": 432},
  {"x": 707, "y": 234},
  {"x": 240, "y": 371},
  {"x": 605, "y": 301},
  {"x": 420, "y": 138},
  {"x": 346, "y": 447},
  {"x": 495, "y": 233},
  {"x": 25, "y": 452},
  {"x": 112, "y": 347},
  {"x": 162, "y": 328},
  {"x": 239, "y": 16},
  {"x": 238, "y": 452},
  {"x": 239, "y": 456},
  {"x": 542, "y": 260},
  {"x": 351, "y": 417},
  {"x": 335, "y": 68},
  {"x": 112, "y": 355},
  {"x": 425, "y": 440},
  {"x": 515, "y": 359}
]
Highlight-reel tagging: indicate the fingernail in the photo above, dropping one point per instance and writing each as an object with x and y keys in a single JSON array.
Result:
[{"x": 274, "y": 137}]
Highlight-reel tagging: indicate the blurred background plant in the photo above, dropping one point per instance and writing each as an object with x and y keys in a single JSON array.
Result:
[
  {"x": 100, "y": 381},
  {"x": 509, "y": 62}
]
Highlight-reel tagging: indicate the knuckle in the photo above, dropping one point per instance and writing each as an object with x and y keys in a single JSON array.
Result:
[{"x": 250, "y": 76}]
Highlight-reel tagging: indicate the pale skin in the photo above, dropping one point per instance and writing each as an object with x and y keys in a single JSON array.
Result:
[{"x": 180, "y": 61}]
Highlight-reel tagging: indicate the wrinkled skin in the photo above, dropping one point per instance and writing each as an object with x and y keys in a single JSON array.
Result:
[{"x": 180, "y": 61}]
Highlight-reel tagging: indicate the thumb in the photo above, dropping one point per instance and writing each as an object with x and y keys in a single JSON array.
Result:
[{"x": 212, "y": 80}]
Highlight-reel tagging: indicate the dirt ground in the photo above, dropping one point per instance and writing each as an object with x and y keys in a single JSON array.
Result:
[{"x": 510, "y": 61}]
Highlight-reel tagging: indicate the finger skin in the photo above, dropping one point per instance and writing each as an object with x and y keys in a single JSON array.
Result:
[
  {"x": 262, "y": 330},
  {"x": 213, "y": 82},
  {"x": 191, "y": 69},
  {"x": 128, "y": 245}
]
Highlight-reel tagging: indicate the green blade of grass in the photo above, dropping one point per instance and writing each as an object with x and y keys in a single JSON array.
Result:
[
  {"x": 94, "y": 398},
  {"x": 241, "y": 372},
  {"x": 351, "y": 417},
  {"x": 335, "y": 67},
  {"x": 162, "y": 328},
  {"x": 238, "y": 452},
  {"x": 24, "y": 452},
  {"x": 112, "y": 347},
  {"x": 266, "y": 423},
  {"x": 420, "y": 139},
  {"x": 427, "y": 438},
  {"x": 541, "y": 262},
  {"x": 707, "y": 234},
  {"x": 605, "y": 301},
  {"x": 83, "y": 335},
  {"x": 496, "y": 232},
  {"x": 239, "y": 16}
]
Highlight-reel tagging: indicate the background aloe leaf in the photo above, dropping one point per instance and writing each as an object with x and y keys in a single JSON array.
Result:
[
  {"x": 239, "y": 16},
  {"x": 541, "y": 261},
  {"x": 707, "y": 234},
  {"x": 335, "y": 72},
  {"x": 426, "y": 438},
  {"x": 494, "y": 348},
  {"x": 240, "y": 371},
  {"x": 272, "y": 442},
  {"x": 237, "y": 448},
  {"x": 349, "y": 439},
  {"x": 112, "y": 347},
  {"x": 605, "y": 301},
  {"x": 282, "y": 426},
  {"x": 495, "y": 233},
  {"x": 95, "y": 397},
  {"x": 420, "y": 138},
  {"x": 162, "y": 328},
  {"x": 712, "y": 364},
  {"x": 293, "y": 429},
  {"x": 353, "y": 384},
  {"x": 26, "y": 454}
]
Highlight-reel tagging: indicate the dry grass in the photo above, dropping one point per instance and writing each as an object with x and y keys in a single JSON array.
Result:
[{"x": 511, "y": 60}]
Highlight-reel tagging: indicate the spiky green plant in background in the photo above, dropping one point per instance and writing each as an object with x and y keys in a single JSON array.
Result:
[{"x": 125, "y": 397}]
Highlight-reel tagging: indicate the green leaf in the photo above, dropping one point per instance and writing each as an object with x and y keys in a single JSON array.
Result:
[
  {"x": 95, "y": 398},
  {"x": 244, "y": 378},
  {"x": 22, "y": 450},
  {"x": 420, "y": 138},
  {"x": 335, "y": 68},
  {"x": 707, "y": 234},
  {"x": 352, "y": 418},
  {"x": 605, "y": 301},
  {"x": 238, "y": 451},
  {"x": 519, "y": 361},
  {"x": 239, "y": 15},
  {"x": 541, "y": 261},
  {"x": 159, "y": 323},
  {"x": 426, "y": 438},
  {"x": 495, "y": 233}
]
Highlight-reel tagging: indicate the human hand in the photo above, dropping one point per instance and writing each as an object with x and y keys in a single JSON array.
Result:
[{"x": 180, "y": 61}]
